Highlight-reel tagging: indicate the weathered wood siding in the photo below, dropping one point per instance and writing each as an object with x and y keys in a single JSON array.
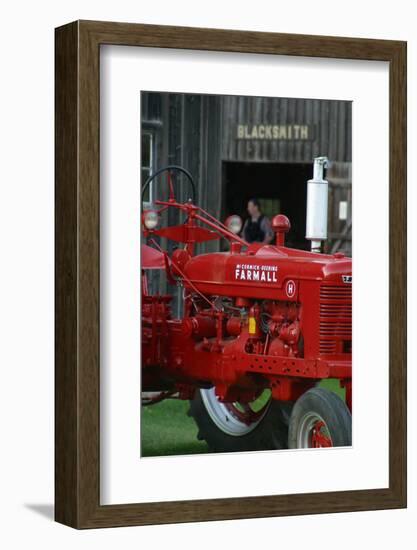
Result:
[
  {"x": 190, "y": 136},
  {"x": 329, "y": 125},
  {"x": 339, "y": 176}
]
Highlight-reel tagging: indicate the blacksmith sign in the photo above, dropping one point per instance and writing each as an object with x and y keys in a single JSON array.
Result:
[{"x": 275, "y": 131}]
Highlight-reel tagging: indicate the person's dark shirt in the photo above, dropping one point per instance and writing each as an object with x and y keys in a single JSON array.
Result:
[{"x": 258, "y": 230}]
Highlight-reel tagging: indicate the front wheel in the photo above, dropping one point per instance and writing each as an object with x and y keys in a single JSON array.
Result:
[
  {"x": 229, "y": 427},
  {"x": 320, "y": 419}
]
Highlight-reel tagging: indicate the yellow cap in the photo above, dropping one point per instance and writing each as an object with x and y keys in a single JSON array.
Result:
[{"x": 252, "y": 325}]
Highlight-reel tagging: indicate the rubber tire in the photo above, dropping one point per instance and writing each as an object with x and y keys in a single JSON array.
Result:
[
  {"x": 333, "y": 411},
  {"x": 271, "y": 432}
]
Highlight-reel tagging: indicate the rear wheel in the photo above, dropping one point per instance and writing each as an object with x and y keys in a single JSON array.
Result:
[
  {"x": 228, "y": 427},
  {"x": 320, "y": 419}
]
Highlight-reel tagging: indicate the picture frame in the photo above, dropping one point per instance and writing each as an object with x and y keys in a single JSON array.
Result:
[{"x": 77, "y": 337}]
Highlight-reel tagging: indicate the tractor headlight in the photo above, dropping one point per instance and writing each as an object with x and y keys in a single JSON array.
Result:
[
  {"x": 150, "y": 219},
  {"x": 234, "y": 224}
]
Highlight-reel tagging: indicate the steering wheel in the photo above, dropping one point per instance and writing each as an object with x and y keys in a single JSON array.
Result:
[{"x": 169, "y": 168}]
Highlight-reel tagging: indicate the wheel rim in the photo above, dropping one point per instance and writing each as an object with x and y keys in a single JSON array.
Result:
[
  {"x": 234, "y": 419},
  {"x": 313, "y": 432}
]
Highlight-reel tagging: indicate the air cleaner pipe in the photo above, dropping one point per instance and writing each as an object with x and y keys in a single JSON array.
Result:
[{"x": 317, "y": 203}]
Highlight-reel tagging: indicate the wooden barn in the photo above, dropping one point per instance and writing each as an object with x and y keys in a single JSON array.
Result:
[{"x": 242, "y": 147}]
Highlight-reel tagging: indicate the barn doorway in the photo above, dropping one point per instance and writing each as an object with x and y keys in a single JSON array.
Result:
[{"x": 280, "y": 187}]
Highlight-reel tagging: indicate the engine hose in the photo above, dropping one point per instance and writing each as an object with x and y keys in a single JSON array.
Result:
[{"x": 264, "y": 324}]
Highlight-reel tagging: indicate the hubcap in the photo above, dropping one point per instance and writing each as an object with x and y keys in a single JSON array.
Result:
[
  {"x": 313, "y": 432},
  {"x": 233, "y": 418}
]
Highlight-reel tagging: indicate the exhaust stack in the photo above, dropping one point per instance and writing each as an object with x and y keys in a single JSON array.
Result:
[{"x": 317, "y": 197}]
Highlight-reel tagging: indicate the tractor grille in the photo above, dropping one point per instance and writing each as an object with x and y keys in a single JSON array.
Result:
[{"x": 335, "y": 319}]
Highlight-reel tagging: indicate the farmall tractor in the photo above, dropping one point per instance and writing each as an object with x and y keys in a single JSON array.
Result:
[{"x": 261, "y": 327}]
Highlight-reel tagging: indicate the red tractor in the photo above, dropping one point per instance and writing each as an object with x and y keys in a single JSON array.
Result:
[{"x": 261, "y": 326}]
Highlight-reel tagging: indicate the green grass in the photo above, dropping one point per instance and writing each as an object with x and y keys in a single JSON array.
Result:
[
  {"x": 334, "y": 386},
  {"x": 167, "y": 430}
]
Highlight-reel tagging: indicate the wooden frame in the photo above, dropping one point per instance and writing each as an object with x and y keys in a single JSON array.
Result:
[{"x": 77, "y": 274}]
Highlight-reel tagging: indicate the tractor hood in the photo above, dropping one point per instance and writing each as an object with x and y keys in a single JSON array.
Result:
[{"x": 265, "y": 271}]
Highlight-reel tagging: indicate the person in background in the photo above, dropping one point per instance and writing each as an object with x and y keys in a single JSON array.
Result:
[{"x": 257, "y": 227}]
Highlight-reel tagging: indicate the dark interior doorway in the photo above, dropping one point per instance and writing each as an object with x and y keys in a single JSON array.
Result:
[{"x": 280, "y": 187}]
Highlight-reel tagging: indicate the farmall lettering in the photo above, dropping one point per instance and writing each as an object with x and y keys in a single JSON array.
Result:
[
  {"x": 258, "y": 273},
  {"x": 260, "y": 326}
]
